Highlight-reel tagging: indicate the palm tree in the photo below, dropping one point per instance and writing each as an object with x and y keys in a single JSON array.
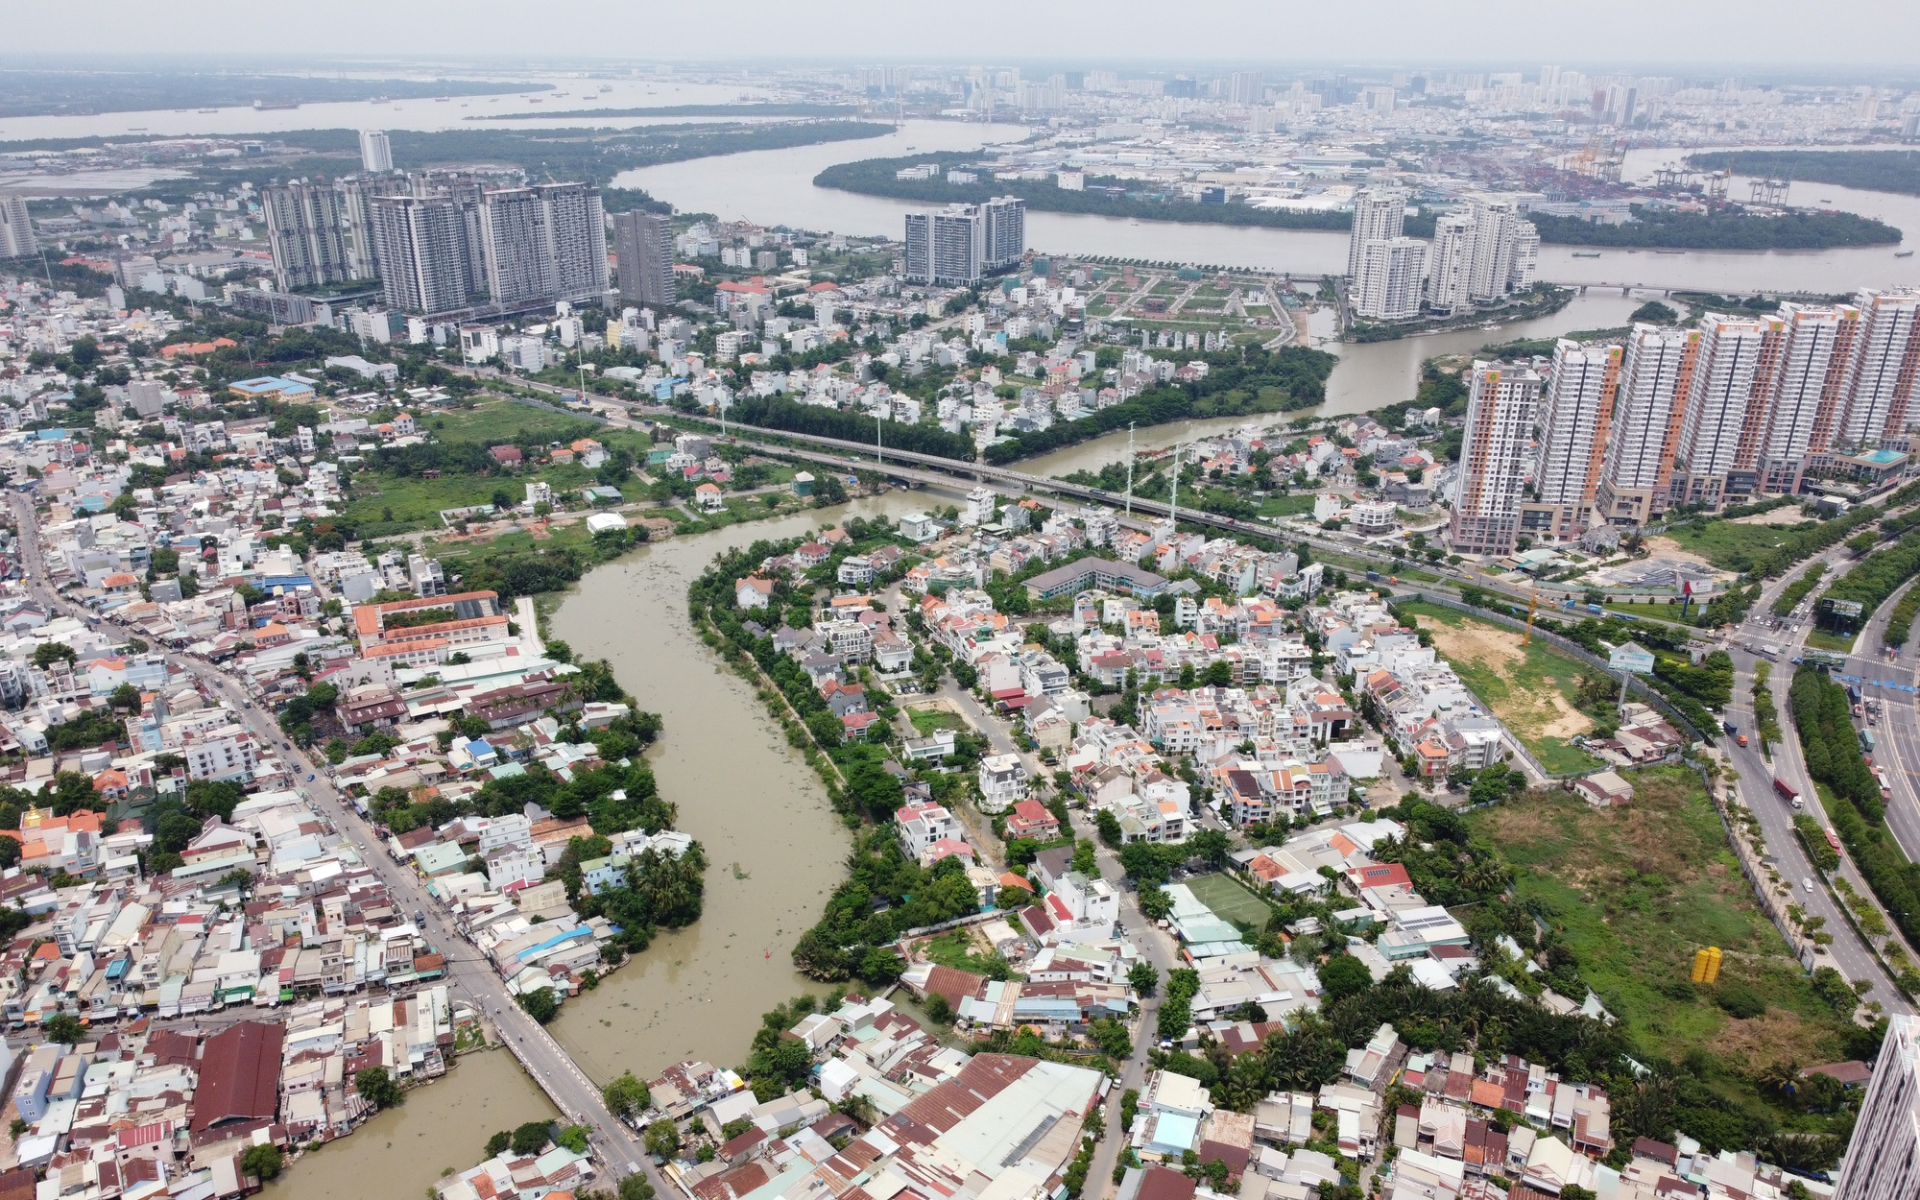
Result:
[{"x": 1780, "y": 1078}]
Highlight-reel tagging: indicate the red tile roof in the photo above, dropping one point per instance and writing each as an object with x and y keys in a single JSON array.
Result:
[{"x": 239, "y": 1075}]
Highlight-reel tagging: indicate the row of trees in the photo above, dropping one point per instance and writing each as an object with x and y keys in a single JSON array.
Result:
[
  {"x": 1799, "y": 589},
  {"x": 778, "y": 412},
  {"x": 1795, "y": 545},
  {"x": 1731, "y": 228},
  {"x": 1233, "y": 384},
  {"x": 1878, "y": 575},
  {"x": 1103, "y": 196},
  {"x": 1822, "y": 714}
]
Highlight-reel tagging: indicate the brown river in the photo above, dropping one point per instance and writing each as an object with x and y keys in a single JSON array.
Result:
[
  {"x": 774, "y": 851},
  {"x": 774, "y": 846},
  {"x": 403, "y": 1151}
]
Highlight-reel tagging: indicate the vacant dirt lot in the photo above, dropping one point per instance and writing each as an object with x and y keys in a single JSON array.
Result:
[{"x": 1527, "y": 699}]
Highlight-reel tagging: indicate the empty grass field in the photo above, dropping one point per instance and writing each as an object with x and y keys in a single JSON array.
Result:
[
  {"x": 1635, "y": 890},
  {"x": 1230, "y": 900},
  {"x": 1530, "y": 687}
]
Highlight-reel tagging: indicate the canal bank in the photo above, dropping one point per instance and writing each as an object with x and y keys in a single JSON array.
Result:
[
  {"x": 403, "y": 1151},
  {"x": 774, "y": 846},
  {"x": 1370, "y": 375}
]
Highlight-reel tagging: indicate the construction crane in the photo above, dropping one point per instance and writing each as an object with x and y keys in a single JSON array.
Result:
[
  {"x": 1717, "y": 182},
  {"x": 1533, "y": 606},
  {"x": 1600, "y": 159},
  {"x": 1581, "y": 161}
]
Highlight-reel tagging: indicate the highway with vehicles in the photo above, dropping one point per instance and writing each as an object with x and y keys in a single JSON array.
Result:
[
  {"x": 1849, "y": 953},
  {"x": 468, "y": 974}
]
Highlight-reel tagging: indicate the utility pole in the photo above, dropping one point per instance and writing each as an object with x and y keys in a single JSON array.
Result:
[
  {"x": 1130, "y": 425},
  {"x": 1173, "y": 497}
]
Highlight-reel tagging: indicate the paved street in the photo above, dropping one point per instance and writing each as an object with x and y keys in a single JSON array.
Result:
[
  {"x": 468, "y": 974},
  {"x": 1890, "y": 680},
  {"x": 1158, "y": 948},
  {"x": 1848, "y": 953}
]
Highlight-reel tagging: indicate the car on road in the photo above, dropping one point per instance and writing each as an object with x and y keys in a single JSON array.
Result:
[
  {"x": 1807, "y": 884},
  {"x": 309, "y": 777}
]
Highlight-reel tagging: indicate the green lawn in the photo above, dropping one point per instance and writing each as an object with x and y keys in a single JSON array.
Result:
[
  {"x": 1290, "y": 505},
  {"x": 1820, "y": 639},
  {"x": 955, "y": 949},
  {"x": 415, "y": 503},
  {"x": 1531, "y": 688},
  {"x": 1728, "y": 544},
  {"x": 926, "y": 720},
  {"x": 384, "y": 504},
  {"x": 1230, "y": 900},
  {"x": 494, "y": 421},
  {"x": 1635, "y": 891},
  {"x": 1184, "y": 322}
]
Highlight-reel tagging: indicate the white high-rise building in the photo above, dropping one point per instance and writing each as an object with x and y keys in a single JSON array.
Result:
[
  {"x": 1449, "y": 264},
  {"x": 1379, "y": 215},
  {"x": 1493, "y": 458},
  {"x": 1526, "y": 256},
  {"x": 356, "y": 218},
  {"x": 946, "y": 247},
  {"x": 543, "y": 244},
  {"x": 1726, "y": 406},
  {"x": 513, "y": 233},
  {"x": 1389, "y": 283},
  {"x": 1495, "y": 230},
  {"x": 1883, "y": 1159},
  {"x": 421, "y": 245},
  {"x": 1808, "y": 390},
  {"x": 1656, "y": 374},
  {"x": 1004, "y": 238},
  {"x": 1246, "y": 87},
  {"x": 306, "y": 235},
  {"x": 643, "y": 245},
  {"x": 1886, "y": 368},
  {"x": 16, "y": 228},
  {"x": 376, "y": 152},
  {"x": 576, "y": 240},
  {"x": 1574, "y": 425}
]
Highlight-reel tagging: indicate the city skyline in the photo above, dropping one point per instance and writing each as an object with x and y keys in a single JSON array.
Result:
[{"x": 1215, "y": 31}]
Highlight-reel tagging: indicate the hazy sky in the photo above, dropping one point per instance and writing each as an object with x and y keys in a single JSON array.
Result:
[{"x": 1523, "y": 32}]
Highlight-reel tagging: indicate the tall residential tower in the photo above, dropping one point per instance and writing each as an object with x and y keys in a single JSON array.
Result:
[
  {"x": 643, "y": 248},
  {"x": 1493, "y": 458},
  {"x": 306, "y": 235},
  {"x": 376, "y": 152},
  {"x": 1379, "y": 215},
  {"x": 1883, "y": 1159},
  {"x": 1575, "y": 422},
  {"x": 1656, "y": 375}
]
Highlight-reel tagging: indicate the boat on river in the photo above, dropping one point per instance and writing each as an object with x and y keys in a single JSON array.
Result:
[
  {"x": 1903, "y": 254},
  {"x": 1586, "y": 254}
]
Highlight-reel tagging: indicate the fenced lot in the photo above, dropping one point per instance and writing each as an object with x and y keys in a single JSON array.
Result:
[{"x": 1229, "y": 900}]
